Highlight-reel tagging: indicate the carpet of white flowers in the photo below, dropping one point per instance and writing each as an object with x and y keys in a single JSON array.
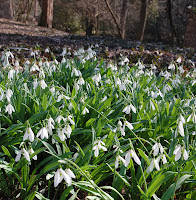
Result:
[{"x": 88, "y": 128}]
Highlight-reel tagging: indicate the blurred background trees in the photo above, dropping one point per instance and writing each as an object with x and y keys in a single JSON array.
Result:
[{"x": 149, "y": 20}]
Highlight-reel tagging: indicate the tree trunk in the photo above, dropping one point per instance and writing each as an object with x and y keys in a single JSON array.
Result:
[
  {"x": 47, "y": 13},
  {"x": 6, "y": 10},
  {"x": 169, "y": 12},
  {"x": 114, "y": 18},
  {"x": 123, "y": 17},
  {"x": 143, "y": 18}
]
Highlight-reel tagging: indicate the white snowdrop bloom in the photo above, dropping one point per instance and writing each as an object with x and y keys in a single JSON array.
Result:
[
  {"x": 59, "y": 118},
  {"x": 192, "y": 117},
  {"x": 193, "y": 133},
  {"x": 178, "y": 152},
  {"x": 163, "y": 157},
  {"x": 47, "y": 50},
  {"x": 181, "y": 69},
  {"x": 34, "y": 68},
  {"x": 61, "y": 96},
  {"x": 60, "y": 174},
  {"x": 171, "y": 66},
  {"x": 9, "y": 108},
  {"x": 35, "y": 84},
  {"x": 52, "y": 89},
  {"x": 11, "y": 74},
  {"x": 43, "y": 84},
  {"x": 43, "y": 133},
  {"x": 119, "y": 158},
  {"x": 41, "y": 73},
  {"x": 181, "y": 128},
  {"x": 70, "y": 120},
  {"x": 129, "y": 125},
  {"x": 117, "y": 81},
  {"x": 81, "y": 81},
  {"x": 128, "y": 108},
  {"x": 132, "y": 154},
  {"x": 140, "y": 65},
  {"x": 97, "y": 78},
  {"x": 67, "y": 130},
  {"x": 61, "y": 134},
  {"x": 154, "y": 95},
  {"x": 75, "y": 72},
  {"x": 156, "y": 147},
  {"x": 50, "y": 125},
  {"x": 181, "y": 118},
  {"x": 85, "y": 110},
  {"x": 64, "y": 52},
  {"x": 104, "y": 98},
  {"x": 22, "y": 152},
  {"x": 153, "y": 163},
  {"x": 112, "y": 67},
  {"x": 31, "y": 151},
  {"x": 193, "y": 82},
  {"x": 179, "y": 60},
  {"x": 9, "y": 94},
  {"x": 29, "y": 135},
  {"x": 97, "y": 146}
]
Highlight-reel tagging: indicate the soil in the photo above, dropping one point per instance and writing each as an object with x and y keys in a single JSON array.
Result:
[{"x": 16, "y": 36}]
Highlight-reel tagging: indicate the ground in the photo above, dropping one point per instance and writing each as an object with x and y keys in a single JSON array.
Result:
[{"x": 18, "y": 36}]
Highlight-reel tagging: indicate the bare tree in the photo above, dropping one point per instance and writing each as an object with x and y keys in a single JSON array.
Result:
[
  {"x": 143, "y": 18},
  {"x": 120, "y": 24},
  {"x": 6, "y": 10},
  {"x": 47, "y": 13}
]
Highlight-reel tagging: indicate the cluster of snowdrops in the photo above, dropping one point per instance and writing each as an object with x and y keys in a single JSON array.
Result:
[{"x": 83, "y": 122}]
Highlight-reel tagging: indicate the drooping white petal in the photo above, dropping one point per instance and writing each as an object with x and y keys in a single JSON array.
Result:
[
  {"x": 156, "y": 164},
  {"x": 129, "y": 125},
  {"x": 133, "y": 108},
  {"x": 185, "y": 154},
  {"x": 135, "y": 157},
  {"x": 181, "y": 128},
  {"x": 164, "y": 159},
  {"x": 150, "y": 167},
  {"x": 156, "y": 149},
  {"x": 56, "y": 178},
  {"x": 26, "y": 154},
  {"x": 127, "y": 158},
  {"x": 70, "y": 173},
  {"x": 127, "y": 109},
  {"x": 18, "y": 156}
]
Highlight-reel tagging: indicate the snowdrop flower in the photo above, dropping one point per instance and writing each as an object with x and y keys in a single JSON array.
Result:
[
  {"x": 98, "y": 145},
  {"x": 128, "y": 108},
  {"x": 132, "y": 154},
  {"x": 35, "y": 84},
  {"x": 163, "y": 157},
  {"x": 28, "y": 135},
  {"x": 153, "y": 163},
  {"x": 31, "y": 151},
  {"x": 121, "y": 128},
  {"x": 67, "y": 130},
  {"x": 81, "y": 81},
  {"x": 181, "y": 128},
  {"x": 43, "y": 84},
  {"x": 75, "y": 72},
  {"x": 119, "y": 158},
  {"x": 59, "y": 118},
  {"x": 179, "y": 60},
  {"x": 192, "y": 117},
  {"x": 50, "y": 125},
  {"x": 129, "y": 125},
  {"x": 11, "y": 74},
  {"x": 43, "y": 132},
  {"x": 52, "y": 89},
  {"x": 61, "y": 96},
  {"x": 60, "y": 174},
  {"x": 34, "y": 68},
  {"x": 70, "y": 120},
  {"x": 9, "y": 108},
  {"x": 47, "y": 50},
  {"x": 22, "y": 152},
  {"x": 85, "y": 110},
  {"x": 9, "y": 94},
  {"x": 156, "y": 148},
  {"x": 171, "y": 66},
  {"x": 97, "y": 78},
  {"x": 61, "y": 134},
  {"x": 178, "y": 152}
]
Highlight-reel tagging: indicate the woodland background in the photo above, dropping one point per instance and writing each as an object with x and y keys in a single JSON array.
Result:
[{"x": 149, "y": 20}]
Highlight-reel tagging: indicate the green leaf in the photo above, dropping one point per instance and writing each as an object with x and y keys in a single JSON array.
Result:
[
  {"x": 171, "y": 190},
  {"x": 44, "y": 102},
  {"x": 90, "y": 121},
  {"x": 157, "y": 181}
]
